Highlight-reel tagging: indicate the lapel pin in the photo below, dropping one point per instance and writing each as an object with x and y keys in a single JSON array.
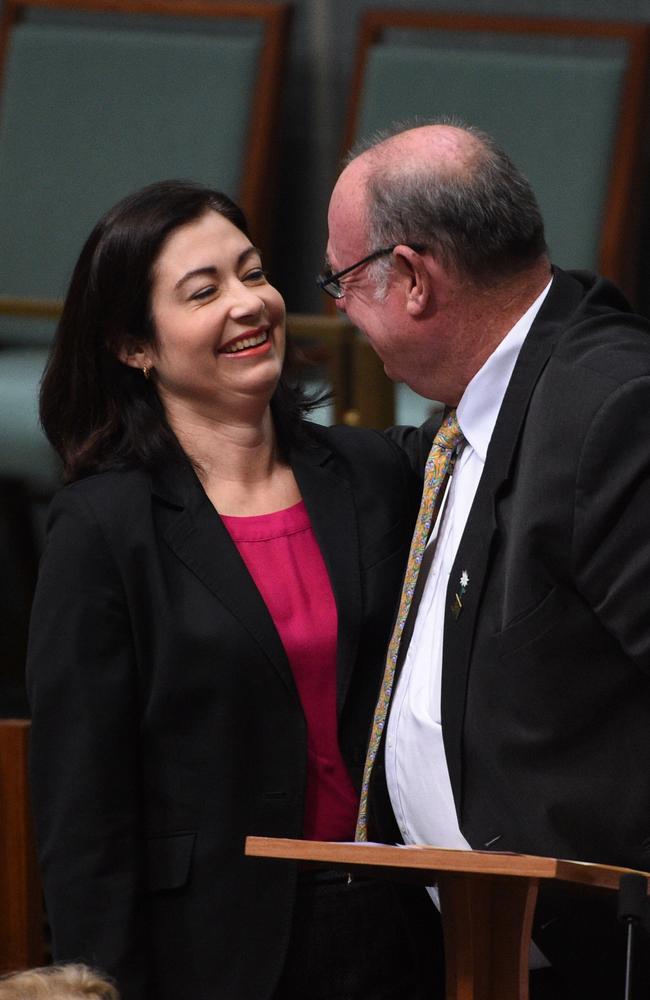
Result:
[{"x": 457, "y": 604}]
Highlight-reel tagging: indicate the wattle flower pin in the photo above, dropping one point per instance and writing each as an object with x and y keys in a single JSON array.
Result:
[{"x": 457, "y": 603}]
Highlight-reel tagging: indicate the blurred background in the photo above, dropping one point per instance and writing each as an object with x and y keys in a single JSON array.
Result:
[{"x": 261, "y": 99}]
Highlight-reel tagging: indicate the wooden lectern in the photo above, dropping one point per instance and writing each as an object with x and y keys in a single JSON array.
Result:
[{"x": 487, "y": 901}]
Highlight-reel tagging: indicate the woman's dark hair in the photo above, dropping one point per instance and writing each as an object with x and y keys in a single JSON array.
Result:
[{"x": 97, "y": 412}]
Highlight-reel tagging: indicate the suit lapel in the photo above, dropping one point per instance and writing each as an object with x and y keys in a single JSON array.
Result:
[
  {"x": 196, "y": 534},
  {"x": 330, "y": 504},
  {"x": 194, "y": 531},
  {"x": 474, "y": 550}
]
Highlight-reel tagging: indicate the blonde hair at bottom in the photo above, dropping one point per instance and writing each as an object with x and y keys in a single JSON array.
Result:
[{"x": 57, "y": 982}]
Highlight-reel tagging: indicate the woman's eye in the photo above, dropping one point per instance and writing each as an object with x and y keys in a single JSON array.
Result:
[
  {"x": 203, "y": 293},
  {"x": 255, "y": 274}
]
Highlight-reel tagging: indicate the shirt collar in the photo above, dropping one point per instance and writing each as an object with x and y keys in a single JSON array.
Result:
[{"x": 480, "y": 403}]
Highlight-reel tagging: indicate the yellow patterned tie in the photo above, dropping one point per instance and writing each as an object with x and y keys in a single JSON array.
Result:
[{"x": 436, "y": 473}]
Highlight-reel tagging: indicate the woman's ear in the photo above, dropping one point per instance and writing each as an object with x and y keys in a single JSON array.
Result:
[{"x": 135, "y": 356}]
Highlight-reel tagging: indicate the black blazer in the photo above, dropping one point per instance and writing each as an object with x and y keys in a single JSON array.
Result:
[
  {"x": 166, "y": 723},
  {"x": 546, "y": 671}
]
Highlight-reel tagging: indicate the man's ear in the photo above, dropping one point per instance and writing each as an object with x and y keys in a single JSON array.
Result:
[{"x": 414, "y": 269}]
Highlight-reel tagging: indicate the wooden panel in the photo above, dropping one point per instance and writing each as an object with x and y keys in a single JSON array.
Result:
[
  {"x": 373, "y": 393},
  {"x": 21, "y": 913}
]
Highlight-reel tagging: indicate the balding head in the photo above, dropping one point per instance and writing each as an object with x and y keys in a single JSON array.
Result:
[
  {"x": 452, "y": 149},
  {"x": 447, "y": 187},
  {"x": 458, "y": 246}
]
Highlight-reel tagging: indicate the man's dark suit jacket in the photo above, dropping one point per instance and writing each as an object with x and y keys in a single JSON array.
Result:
[
  {"x": 546, "y": 671},
  {"x": 166, "y": 723}
]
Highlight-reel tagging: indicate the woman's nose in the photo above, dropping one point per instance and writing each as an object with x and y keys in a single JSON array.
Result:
[{"x": 246, "y": 301}]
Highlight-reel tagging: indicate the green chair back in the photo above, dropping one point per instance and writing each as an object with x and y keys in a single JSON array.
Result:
[
  {"x": 571, "y": 187},
  {"x": 567, "y": 100},
  {"x": 91, "y": 111}
]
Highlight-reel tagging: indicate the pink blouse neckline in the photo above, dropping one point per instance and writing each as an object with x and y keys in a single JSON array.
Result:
[{"x": 259, "y": 527}]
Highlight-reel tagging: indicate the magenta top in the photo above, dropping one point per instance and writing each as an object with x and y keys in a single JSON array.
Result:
[{"x": 282, "y": 556}]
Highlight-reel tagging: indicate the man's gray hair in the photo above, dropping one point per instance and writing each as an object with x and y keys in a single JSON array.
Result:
[{"x": 482, "y": 220}]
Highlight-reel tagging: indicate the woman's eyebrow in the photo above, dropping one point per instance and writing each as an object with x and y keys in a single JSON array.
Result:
[
  {"x": 208, "y": 271},
  {"x": 249, "y": 251},
  {"x": 211, "y": 271}
]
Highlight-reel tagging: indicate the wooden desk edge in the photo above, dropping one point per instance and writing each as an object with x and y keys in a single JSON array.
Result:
[{"x": 436, "y": 860}]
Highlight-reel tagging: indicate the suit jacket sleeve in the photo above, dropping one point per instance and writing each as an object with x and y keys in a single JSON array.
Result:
[
  {"x": 416, "y": 442},
  {"x": 611, "y": 541},
  {"x": 84, "y": 761}
]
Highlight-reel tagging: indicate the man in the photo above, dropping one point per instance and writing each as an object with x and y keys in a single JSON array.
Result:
[{"x": 520, "y": 713}]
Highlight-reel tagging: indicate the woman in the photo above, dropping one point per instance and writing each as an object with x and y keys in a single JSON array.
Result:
[{"x": 209, "y": 629}]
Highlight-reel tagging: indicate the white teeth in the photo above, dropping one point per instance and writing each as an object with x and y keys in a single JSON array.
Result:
[{"x": 242, "y": 345}]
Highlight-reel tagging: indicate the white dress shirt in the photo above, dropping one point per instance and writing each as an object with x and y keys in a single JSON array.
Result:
[{"x": 416, "y": 767}]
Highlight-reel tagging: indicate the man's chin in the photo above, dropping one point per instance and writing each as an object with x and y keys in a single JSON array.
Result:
[{"x": 392, "y": 374}]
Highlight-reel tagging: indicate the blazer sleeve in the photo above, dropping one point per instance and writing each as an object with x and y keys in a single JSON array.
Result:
[
  {"x": 416, "y": 442},
  {"x": 611, "y": 534},
  {"x": 83, "y": 751}
]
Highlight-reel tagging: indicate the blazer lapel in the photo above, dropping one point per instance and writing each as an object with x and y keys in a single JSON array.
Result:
[
  {"x": 473, "y": 553},
  {"x": 330, "y": 504},
  {"x": 195, "y": 532}
]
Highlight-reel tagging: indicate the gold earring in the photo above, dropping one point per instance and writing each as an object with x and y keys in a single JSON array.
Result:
[{"x": 146, "y": 372}]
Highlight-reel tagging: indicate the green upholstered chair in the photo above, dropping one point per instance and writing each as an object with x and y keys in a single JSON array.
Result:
[
  {"x": 566, "y": 99},
  {"x": 97, "y": 99},
  {"x": 25, "y": 454}
]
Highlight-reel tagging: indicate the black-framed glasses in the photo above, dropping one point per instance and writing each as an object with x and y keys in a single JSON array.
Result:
[{"x": 330, "y": 281}]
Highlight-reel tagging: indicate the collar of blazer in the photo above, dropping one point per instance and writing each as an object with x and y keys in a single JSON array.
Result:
[
  {"x": 192, "y": 528},
  {"x": 564, "y": 305}
]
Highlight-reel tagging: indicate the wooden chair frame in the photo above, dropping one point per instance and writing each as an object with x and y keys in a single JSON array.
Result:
[
  {"x": 261, "y": 159},
  {"x": 327, "y": 340},
  {"x": 621, "y": 214}
]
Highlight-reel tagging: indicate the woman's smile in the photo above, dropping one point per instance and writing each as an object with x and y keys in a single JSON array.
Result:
[{"x": 251, "y": 342}]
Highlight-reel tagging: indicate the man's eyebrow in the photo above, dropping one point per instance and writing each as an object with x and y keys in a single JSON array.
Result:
[{"x": 211, "y": 271}]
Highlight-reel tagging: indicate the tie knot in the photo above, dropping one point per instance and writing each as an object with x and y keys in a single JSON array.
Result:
[{"x": 449, "y": 434}]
